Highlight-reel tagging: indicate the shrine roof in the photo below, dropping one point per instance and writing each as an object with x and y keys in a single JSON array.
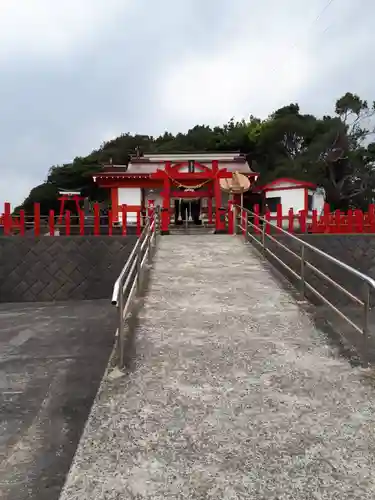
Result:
[
  {"x": 199, "y": 156},
  {"x": 149, "y": 164},
  {"x": 289, "y": 182}
]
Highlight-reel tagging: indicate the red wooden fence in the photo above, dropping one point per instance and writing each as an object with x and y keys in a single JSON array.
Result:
[
  {"x": 351, "y": 222},
  {"x": 52, "y": 223}
]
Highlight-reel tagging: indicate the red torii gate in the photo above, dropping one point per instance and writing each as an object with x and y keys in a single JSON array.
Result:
[
  {"x": 201, "y": 174},
  {"x": 68, "y": 196}
]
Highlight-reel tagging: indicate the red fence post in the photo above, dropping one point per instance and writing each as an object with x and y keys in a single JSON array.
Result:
[
  {"x": 81, "y": 215},
  {"x": 96, "y": 219},
  {"x": 371, "y": 216},
  {"x": 139, "y": 229},
  {"x": 67, "y": 223},
  {"x": 51, "y": 222},
  {"x": 338, "y": 223},
  {"x": 350, "y": 221},
  {"x": 110, "y": 223},
  {"x": 303, "y": 221},
  {"x": 165, "y": 220},
  {"x": 124, "y": 212},
  {"x": 256, "y": 219},
  {"x": 326, "y": 217},
  {"x": 37, "y": 219},
  {"x": 291, "y": 220},
  {"x": 22, "y": 223},
  {"x": 279, "y": 218},
  {"x": 358, "y": 216},
  {"x": 314, "y": 221},
  {"x": 7, "y": 219}
]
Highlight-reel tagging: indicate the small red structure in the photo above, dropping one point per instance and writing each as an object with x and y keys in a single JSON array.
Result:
[
  {"x": 284, "y": 194},
  {"x": 69, "y": 196}
]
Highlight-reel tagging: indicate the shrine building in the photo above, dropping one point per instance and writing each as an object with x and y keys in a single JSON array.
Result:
[{"x": 186, "y": 186}]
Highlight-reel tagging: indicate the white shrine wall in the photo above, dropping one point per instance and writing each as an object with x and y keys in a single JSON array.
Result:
[{"x": 129, "y": 196}]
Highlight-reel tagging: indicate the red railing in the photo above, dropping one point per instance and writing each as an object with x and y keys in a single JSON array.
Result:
[
  {"x": 337, "y": 222},
  {"x": 53, "y": 224}
]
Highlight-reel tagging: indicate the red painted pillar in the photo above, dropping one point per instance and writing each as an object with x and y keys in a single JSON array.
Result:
[
  {"x": 81, "y": 222},
  {"x": 139, "y": 228},
  {"x": 358, "y": 214},
  {"x": 37, "y": 219},
  {"x": 124, "y": 212},
  {"x": 256, "y": 221},
  {"x": 326, "y": 216},
  {"x": 110, "y": 222},
  {"x": 279, "y": 217},
  {"x": 114, "y": 203},
  {"x": 220, "y": 225},
  {"x": 338, "y": 225},
  {"x": 166, "y": 206},
  {"x": 62, "y": 206},
  {"x": 303, "y": 221},
  {"x": 314, "y": 221},
  {"x": 371, "y": 217},
  {"x": 7, "y": 219},
  {"x": 51, "y": 222}
]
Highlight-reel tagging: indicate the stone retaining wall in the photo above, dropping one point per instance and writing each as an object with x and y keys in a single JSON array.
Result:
[
  {"x": 61, "y": 268},
  {"x": 357, "y": 251}
]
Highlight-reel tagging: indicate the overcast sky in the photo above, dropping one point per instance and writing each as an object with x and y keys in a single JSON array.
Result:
[{"x": 76, "y": 73}]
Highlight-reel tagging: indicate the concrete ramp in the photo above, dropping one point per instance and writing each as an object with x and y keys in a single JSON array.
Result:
[{"x": 233, "y": 393}]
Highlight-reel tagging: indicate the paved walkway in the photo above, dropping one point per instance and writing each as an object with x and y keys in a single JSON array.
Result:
[{"x": 233, "y": 395}]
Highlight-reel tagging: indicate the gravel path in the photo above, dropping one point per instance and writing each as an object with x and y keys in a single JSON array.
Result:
[{"x": 233, "y": 395}]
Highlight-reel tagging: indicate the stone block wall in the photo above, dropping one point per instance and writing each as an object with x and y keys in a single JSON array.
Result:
[{"x": 61, "y": 268}]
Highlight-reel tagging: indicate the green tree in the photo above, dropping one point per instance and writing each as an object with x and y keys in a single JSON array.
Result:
[{"x": 332, "y": 151}]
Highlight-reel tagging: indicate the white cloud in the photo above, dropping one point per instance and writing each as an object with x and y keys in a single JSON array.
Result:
[
  {"x": 48, "y": 28},
  {"x": 261, "y": 63},
  {"x": 241, "y": 80}
]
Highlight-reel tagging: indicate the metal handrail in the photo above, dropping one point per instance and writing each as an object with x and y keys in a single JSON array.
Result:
[
  {"x": 304, "y": 263},
  {"x": 130, "y": 279}
]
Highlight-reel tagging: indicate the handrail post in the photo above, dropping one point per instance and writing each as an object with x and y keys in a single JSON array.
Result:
[
  {"x": 245, "y": 224},
  {"x": 150, "y": 248},
  {"x": 235, "y": 225},
  {"x": 121, "y": 329},
  {"x": 366, "y": 315},
  {"x": 264, "y": 235},
  {"x": 139, "y": 263},
  {"x": 302, "y": 271}
]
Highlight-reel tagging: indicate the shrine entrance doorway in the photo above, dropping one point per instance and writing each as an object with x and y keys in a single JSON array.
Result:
[{"x": 187, "y": 211}]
